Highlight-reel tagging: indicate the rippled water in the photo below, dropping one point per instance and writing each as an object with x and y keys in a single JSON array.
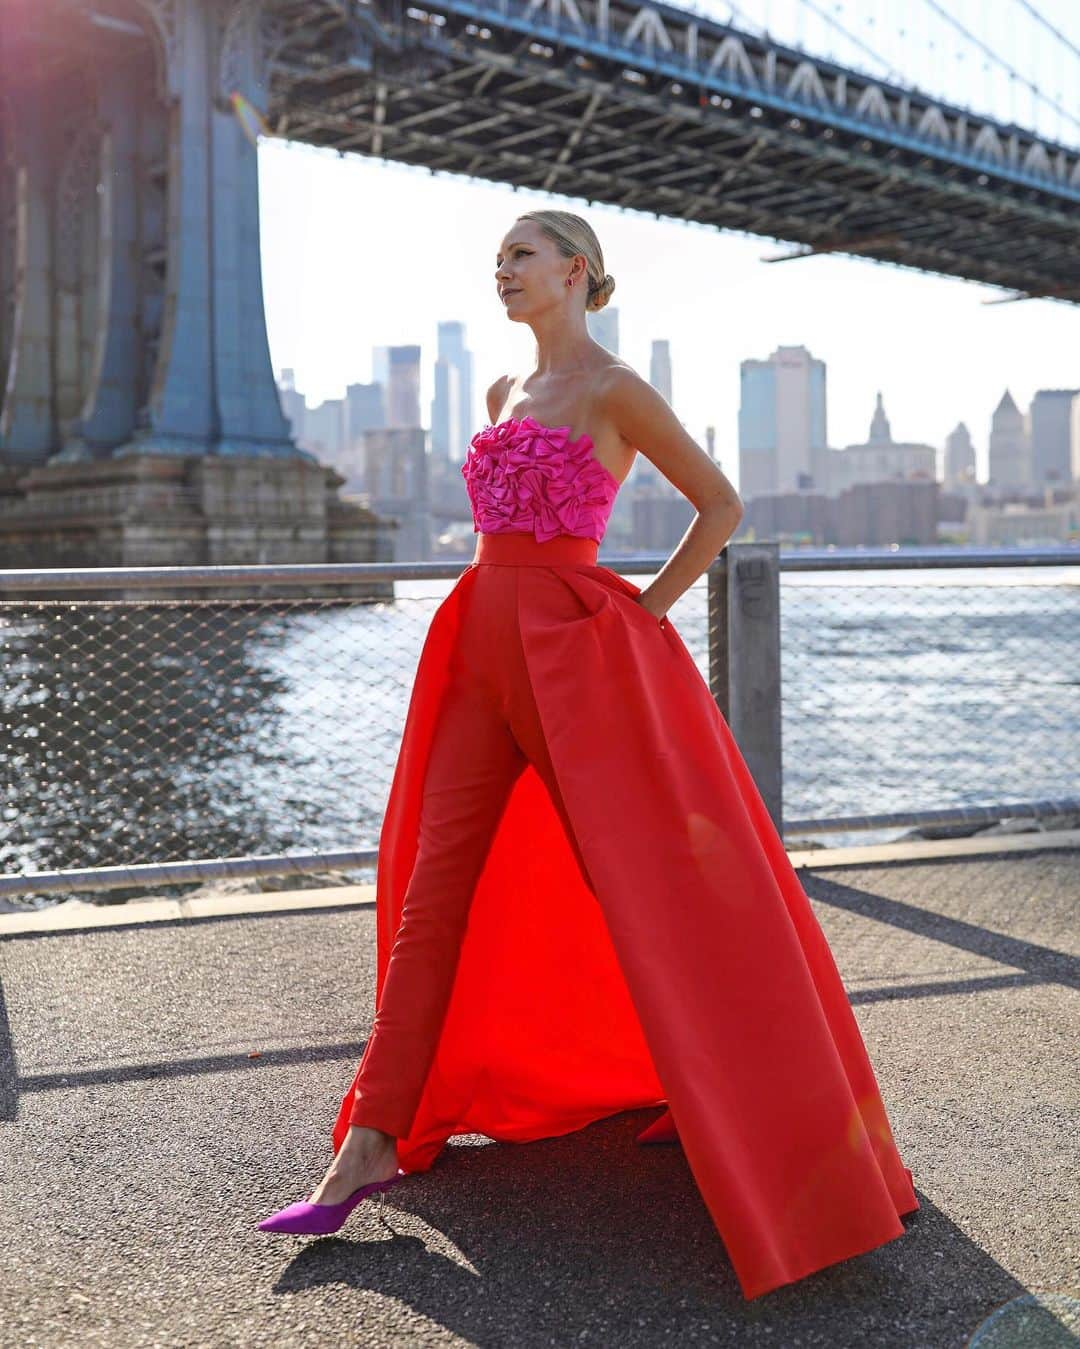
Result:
[{"x": 165, "y": 730}]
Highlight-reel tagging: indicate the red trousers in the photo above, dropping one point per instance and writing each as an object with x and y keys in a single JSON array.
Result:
[
  {"x": 488, "y": 731},
  {"x": 584, "y": 907}
]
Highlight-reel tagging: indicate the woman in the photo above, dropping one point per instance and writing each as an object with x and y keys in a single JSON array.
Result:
[{"x": 583, "y": 905}]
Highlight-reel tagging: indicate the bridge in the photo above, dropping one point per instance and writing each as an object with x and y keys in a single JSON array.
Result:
[{"x": 131, "y": 310}]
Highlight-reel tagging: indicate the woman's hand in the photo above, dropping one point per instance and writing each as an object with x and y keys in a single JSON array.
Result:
[{"x": 648, "y": 609}]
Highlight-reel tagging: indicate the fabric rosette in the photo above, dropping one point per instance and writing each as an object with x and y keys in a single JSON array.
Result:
[{"x": 522, "y": 476}]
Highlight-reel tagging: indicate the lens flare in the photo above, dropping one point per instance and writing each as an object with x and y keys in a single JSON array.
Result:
[{"x": 252, "y": 122}]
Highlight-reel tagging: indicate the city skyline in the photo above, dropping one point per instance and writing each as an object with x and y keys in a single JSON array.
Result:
[
  {"x": 1044, "y": 439},
  {"x": 936, "y": 352}
]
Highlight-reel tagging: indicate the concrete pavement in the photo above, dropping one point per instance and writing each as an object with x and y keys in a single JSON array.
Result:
[{"x": 141, "y": 1141}]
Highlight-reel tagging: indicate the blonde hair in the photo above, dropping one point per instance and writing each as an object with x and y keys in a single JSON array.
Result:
[{"x": 571, "y": 234}]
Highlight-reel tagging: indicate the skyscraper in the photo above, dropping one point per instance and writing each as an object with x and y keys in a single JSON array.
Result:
[
  {"x": 452, "y": 407},
  {"x": 660, "y": 368},
  {"x": 293, "y": 404},
  {"x": 1051, "y": 435},
  {"x": 1010, "y": 446},
  {"x": 365, "y": 410},
  {"x": 782, "y": 430},
  {"x": 959, "y": 457},
  {"x": 324, "y": 430},
  {"x": 445, "y": 409},
  {"x": 402, "y": 365},
  {"x": 380, "y": 365}
]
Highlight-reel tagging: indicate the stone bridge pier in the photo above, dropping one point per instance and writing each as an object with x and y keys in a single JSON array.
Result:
[{"x": 140, "y": 422}]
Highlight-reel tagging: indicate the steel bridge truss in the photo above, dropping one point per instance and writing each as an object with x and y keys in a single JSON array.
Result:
[{"x": 658, "y": 109}]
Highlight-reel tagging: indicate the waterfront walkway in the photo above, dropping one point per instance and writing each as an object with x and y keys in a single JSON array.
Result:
[{"x": 166, "y": 1084}]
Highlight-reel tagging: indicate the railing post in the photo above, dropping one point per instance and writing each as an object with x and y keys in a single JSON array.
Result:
[
  {"x": 717, "y": 631},
  {"x": 744, "y": 674}
]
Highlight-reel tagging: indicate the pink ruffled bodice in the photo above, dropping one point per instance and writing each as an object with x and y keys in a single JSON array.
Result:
[{"x": 523, "y": 477}]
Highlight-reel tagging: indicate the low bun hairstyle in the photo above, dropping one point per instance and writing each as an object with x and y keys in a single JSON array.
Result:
[{"x": 571, "y": 234}]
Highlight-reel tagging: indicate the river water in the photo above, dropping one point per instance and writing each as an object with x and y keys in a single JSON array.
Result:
[{"x": 164, "y": 731}]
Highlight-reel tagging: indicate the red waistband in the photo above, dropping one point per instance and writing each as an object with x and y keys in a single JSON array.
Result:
[{"x": 522, "y": 547}]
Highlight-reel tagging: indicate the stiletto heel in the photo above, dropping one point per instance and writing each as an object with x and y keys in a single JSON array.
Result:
[
  {"x": 380, "y": 1212},
  {"x": 308, "y": 1219}
]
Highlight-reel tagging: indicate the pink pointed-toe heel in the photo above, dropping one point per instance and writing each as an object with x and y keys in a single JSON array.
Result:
[
  {"x": 319, "y": 1220},
  {"x": 661, "y": 1130}
]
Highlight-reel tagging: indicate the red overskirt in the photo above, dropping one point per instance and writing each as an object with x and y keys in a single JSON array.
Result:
[{"x": 696, "y": 975}]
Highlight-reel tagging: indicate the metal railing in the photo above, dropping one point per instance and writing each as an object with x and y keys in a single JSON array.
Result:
[{"x": 156, "y": 731}]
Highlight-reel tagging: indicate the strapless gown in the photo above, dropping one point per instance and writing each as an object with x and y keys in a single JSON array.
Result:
[{"x": 647, "y": 943}]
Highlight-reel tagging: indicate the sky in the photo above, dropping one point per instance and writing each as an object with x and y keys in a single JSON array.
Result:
[{"x": 358, "y": 253}]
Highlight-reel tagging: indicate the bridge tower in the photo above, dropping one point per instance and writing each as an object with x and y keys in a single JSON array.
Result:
[{"x": 140, "y": 421}]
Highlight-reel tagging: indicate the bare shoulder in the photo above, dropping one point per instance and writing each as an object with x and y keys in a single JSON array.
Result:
[
  {"x": 616, "y": 380},
  {"x": 617, "y": 388},
  {"x": 496, "y": 396}
]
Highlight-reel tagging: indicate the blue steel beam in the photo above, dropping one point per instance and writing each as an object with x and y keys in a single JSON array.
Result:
[{"x": 122, "y": 146}]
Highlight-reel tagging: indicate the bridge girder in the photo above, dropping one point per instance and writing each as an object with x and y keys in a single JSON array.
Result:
[{"x": 650, "y": 107}]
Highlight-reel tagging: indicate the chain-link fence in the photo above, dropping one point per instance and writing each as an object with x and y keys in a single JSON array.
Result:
[
  {"x": 938, "y": 694},
  {"x": 143, "y": 731}
]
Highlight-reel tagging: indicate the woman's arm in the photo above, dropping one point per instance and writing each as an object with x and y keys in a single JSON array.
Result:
[{"x": 647, "y": 421}]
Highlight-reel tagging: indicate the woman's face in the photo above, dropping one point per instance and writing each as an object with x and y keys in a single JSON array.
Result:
[{"x": 531, "y": 273}]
